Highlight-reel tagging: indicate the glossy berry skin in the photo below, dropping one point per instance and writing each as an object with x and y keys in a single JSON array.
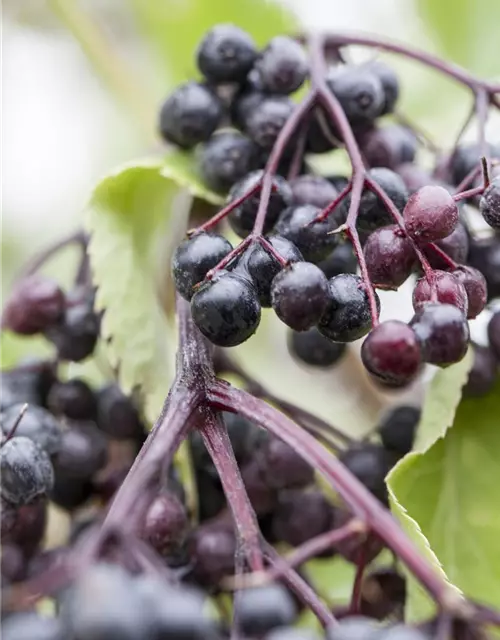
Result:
[
  {"x": 322, "y": 135},
  {"x": 391, "y": 353},
  {"x": 456, "y": 245},
  {"x": 226, "y": 309},
  {"x": 312, "y": 348},
  {"x": 282, "y": 467},
  {"x": 226, "y": 54},
  {"x": 190, "y": 115},
  {"x": 370, "y": 463},
  {"x": 26, "y": 471},
  {"x": 475, "y": 287},
  {"x": 263, "y": 267},
  {"x": 430, "y": 214},
  {"x": 282, "y": 66},
  {"x": 494, "y": 333},
  {"x": 389, "y": 81},
  {"x": 299, "y": 295},
  {"x": 466, "y": 158},
  {"x": 347, "y": 317},
  {"x": 31, "y": 626},
  {"x": 389, "y": 146},
  {"x": 246, "y": 100},
  {"x": 354, "y": 628},
  {"x": 25, "y": 384},
  {"x": 35, "y": 304},
  {"x": 194, "y": 258},
  {"x": 485, "y": 256},
  {"x": 242, "y": 218},
  {"x": 311, "y": 189},
  {"x": 212, "y": 549},
  {"x": 166, "y": 523},
  {"x": 359, "y": 91},
  {"x": 312, "y": 240},
  {"x": 261, "y": 609},
  {"x": 483, "y": 374},
  {"x": 73, "y": 399},
  {"x": 445, "y": 286},
  {"x": 226, "y": 158},
  {"x": 82, "y": 453},
  {"x": 397, "y": 428},
  {"x": 489, "y": 205},
  {"x": 117, "y": 416},
  {"x": 389, "y": 256},
  {"x": 341, "y": 260},
  {"x": 443, "y": 333},
  {"x": 37, "y": 424},
  {"x": 75, "y": 337},
  {"x": 301, "y": 515},
  {"x": 264, "y": 124}
]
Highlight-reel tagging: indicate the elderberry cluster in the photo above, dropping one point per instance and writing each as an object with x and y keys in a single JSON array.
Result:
[{"x": 306, "y": 273}]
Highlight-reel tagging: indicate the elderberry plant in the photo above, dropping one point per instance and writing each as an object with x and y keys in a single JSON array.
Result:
[{"x": 314, "y": 249}]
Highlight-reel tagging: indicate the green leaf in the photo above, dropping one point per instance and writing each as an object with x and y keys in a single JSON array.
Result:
[
  {"x": 466, "y": 32},
  {"x": 127, "y": 218},
  {"x": 175, "y": 27}
]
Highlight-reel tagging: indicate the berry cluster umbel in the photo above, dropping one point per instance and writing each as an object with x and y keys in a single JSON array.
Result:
[{"x": 400, "y": 219}]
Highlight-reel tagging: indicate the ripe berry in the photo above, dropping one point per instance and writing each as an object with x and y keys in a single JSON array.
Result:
[
  {"x": 83, "y": 451},
  {"x": 226, "y": 309},
  {"x": 312, "y": 348},
  {"x": 390, "y": 257},
  {"x": 37, "y": 424},
  {"x": 71, "y": 493},
  {"x": 281, "y": 467},
  {"x": 29, "y": 625},
  {"x": 35, "y": 304},
  {"x": 389, "y": 146},
  {"x": 117, "y": 416},
  {"x": 312, "y": 240},
  {"x": 370, "y": 463},
  {"x": 391, "y": 353},
  {"x": 483, "y": 374},
  {"x": 263, "y": 124},
  {"x": 354, "y": 628},
  {"x": 475, "y": 287},
  {"x": 73, "y": 399},
  {"x": 263, "y": 267},
  {"x": 226, "y": 54},
  {"x": 26, "y": 470},
  {"x": 414, "y": 176},
  {"x": 456, "y": 245},
  {"x": 489, "y": 205},
  {"x": 226, "y": 158},
  {"x": 212, "y": 549},
  {"x": 397, "y": 428},
  {"x": 494, "y": 333},
  {"x": 165, "y": 524},
  {"x": 443, "y": 333},
  {"x": 341, "y": 260},
  {"x": 282, "y": 66},
  {"x": 443, "y": 287},
  {"x": 359, "y": 91},
  {"x": 311, "y": 189},
  {"x": 389, "y": 81},
  {"x": 75, "y": 336},
  {"x": 190, "y": 115},
  {"x": 260, "y": 609},
  {"x": 485, "y": 256},
  {"x": 194, "y": 258},
  {"x": 467, "y": 157},
  {"x": 242, "y": 218},
  {"x": 430, "y": 214},
  {"x": 299, "y": 295},
  {"x": 301, "y": 515},
  {"x": 322, "y": 135},
  {"x": 245, "y": 102},
  {"x": 347, "y": 317}
]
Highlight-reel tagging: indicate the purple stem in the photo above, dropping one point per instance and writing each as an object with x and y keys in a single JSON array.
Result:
[
  {"x": 38, "y": 261},
  {"x": 333, "y": 204}
]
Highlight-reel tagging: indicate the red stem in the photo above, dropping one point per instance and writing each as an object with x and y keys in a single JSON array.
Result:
[
  {"x": 358, "y": 580},
  {"x": 333, "y": 204},
  {"x": 270, "y": 249}
]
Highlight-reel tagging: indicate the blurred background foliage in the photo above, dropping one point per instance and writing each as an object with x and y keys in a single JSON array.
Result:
[{"x": 82, "y": 82}]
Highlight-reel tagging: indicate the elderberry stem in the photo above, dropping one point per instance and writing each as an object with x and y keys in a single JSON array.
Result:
[
  {"x": 229, "y": 258},
  {"x": 443, "y": 255},
  {"x": 38, "y": 261},
  {"x": 272, "y": 251},
  {"x": 333, "y": 204},
  {"x": 360, "y": 501},
  {"x": 358, "y": 580},
  {"x": 470, "y": 193},
  {"x": 216, "y": 439}
]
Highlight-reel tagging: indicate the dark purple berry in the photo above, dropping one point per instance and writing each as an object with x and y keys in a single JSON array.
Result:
[
  {"x": 194, "y": 258},
  {"x": 260, "y": 609},
  {"x": 264, "y": 124},
  {"x": 489, "y": 205},
  {"x": 389, "y": 81},
  {"x": 242, "y": 218},
  {"x": 226, "y": 158},
  {"x": 430, "y": 214},
  {"x": 341, "y": 260},
  {"x": 117, "y": 416},
  {"x": 73, "y": 399},
  {"x": 359, "y": 91},
  {"x": 37, "y": 424},
  {"x": 312, "y": 348},
  {"x": 485, "y": 256},
  {"x": 165, "y": 524},
  {"x": 483, "y": 374},
  {"x": 414, "y": 176},
  {"x": 389, "y": 256},
  {"x": 494, "y": 333},
  {"x": 83, "y": 452},
  {"x": 347, "y": 317},
  {"x": 456, "y": 245},
  {"x": 311, "y": 189},
  {"x": 322, "y": 135},
  {"x": 311, "y": 238},
  {"x": 226, "y": 309},
  {"x": 466, "y": 158},
  {"x": 391, "y": 353},
  {"x": 370, "y": 463},
  {"x": 397, "y": 428},
  {"x": 389, "y": 146},
  {"x": 282, "y": 66},
  {"x": 246, "y": 101},
  {"x": 212, "y": 550},
  {"x": 443, "y": 287},
  {"x": 301, "y": 515},
  {"x": 226, "y": 54},
  {"x": 443, "y": 333},
  {"x": 35, "y": 304},
  {"x": 263, "y": 267},
  {"x": 190, "y": 115},
  {"x": 282, "y": 467},
  {"x": 475, "y": 287},
  {"x": 299, "y": 295},
  {"x": 26, "y": 470}
]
